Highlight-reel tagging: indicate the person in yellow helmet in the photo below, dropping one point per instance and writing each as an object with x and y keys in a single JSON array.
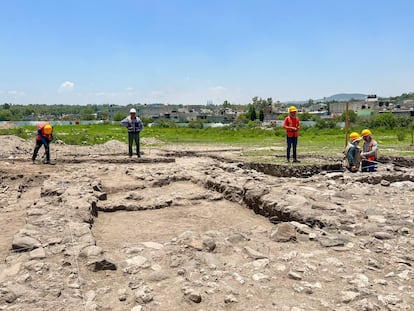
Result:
[
  {"x": 292, "y": 126},
  {"x": 369, "y": 152},
  {"x": 352, "y": 153},
  {"x": 44, "y": 137}
]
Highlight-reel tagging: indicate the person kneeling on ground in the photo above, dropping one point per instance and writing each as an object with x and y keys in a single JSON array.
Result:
[
  {"x": 44, "y": 137},
  {"x": 369, "y": 152},
  {"x": 352, "y": 153}
]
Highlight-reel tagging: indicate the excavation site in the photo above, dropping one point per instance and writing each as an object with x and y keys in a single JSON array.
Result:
[{"x": 201, "y": 228}]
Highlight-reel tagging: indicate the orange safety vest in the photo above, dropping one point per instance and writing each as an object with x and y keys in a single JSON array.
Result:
[
  {"x": 291, "y": 122},
  {"x": 371, "y": 157}
]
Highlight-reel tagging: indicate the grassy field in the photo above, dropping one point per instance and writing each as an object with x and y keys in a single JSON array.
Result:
[{"x": 312, "y": 140}]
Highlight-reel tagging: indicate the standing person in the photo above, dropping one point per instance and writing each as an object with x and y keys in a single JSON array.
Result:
[
  {"x": 369, "y": 152},
  {"x": 292, "y": 126},
  {"x": 134, "y": 126},
  {"x": 44, "y": 136},
  {"x": 352, "y": 153}
]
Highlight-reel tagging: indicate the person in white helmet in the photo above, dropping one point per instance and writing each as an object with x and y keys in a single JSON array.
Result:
[{"x": 134, "y": 125}]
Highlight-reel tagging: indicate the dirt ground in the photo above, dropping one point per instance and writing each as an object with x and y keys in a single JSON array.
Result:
[{"x": 200, "y": 228}]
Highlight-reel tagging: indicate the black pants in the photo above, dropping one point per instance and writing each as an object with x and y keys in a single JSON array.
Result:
[
  {"x": 292, "y": 142},
  {"x": 39, "y": 144},
  {"x": 368, "y": 166},
  {"x": 131, "y": 138}
]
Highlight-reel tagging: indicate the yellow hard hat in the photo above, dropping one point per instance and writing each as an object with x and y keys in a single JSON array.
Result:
[
  {"x": 47, "y": 129},
  {"x": 366, "y": 132},
  {"x": 292, "y": 109},
  {"x": 354, "y": 136}
]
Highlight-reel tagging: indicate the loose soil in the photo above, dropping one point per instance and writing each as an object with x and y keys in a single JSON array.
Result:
[{"x": 202, "y": 228}]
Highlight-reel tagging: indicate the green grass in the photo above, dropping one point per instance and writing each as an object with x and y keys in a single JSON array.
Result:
[{"x": 312, "y": 140}]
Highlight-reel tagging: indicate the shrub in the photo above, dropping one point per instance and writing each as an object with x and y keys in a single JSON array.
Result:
[{"x": 401, "y": 134}]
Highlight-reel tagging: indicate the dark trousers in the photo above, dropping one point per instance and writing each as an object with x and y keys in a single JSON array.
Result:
[
  {"x": 131, "y": 138},
  {"x": 368, "y": 166},
  {"x": 292, "y": 142},
  {"x": 36, "y": 150}
]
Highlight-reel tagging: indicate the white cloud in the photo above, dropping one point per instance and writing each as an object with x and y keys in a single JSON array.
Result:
[{"x": 66, "y": 86}]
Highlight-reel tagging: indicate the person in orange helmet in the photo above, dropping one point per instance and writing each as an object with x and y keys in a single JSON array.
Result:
[
  {"x": 369, "y": 152},
  {"x": 44, "y": 136},
  {"x": 292, "y": 126}
]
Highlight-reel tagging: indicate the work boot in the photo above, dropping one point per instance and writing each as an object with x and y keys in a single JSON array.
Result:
[
  {"x": 287, "y": 161},
  {"x": 296, "y": 161}
]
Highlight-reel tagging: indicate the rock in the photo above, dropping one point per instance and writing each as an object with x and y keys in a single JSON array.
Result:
[
  {"x": 158, "y": 276},
  {"x": 230, "y": 299},
  {"x": 383, "y": 235},
  {"x": 253, "y": 253},
  {"x": 38, "y": 253},
  {"x": 260, "y": 277},
  {"x": 385, "y": 183},
  {"x": 195, "y": 243},
  {"x": 91, "y": 251},
  {"x": 153, "y": 245},
  {"x": 301, "y": 228},
  {"x": 122, "y": 294},
  {"x": 209, "y": 244},
  {"x": 360, "y": 281},
  {"x": 100, "y": 264},
  {"x": 332, "y": 241},
  {"x": 237, "y": 238},
  {"x": 138, "y": 261},
  {"x": 10, "y": 271},
  {"x": 348, "y": 296},
  {"x": 261, "y": 263},
  {"x": 25, "y": 243},
  {"x": 195, "y": 297},
  {"x": 283, "y": 232},
  {"x": 294, "y": 275},
  {"x": 238, "y": 278}
]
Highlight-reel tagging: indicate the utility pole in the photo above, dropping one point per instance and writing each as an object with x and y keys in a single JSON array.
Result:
[{"x": 346, "y": 123}]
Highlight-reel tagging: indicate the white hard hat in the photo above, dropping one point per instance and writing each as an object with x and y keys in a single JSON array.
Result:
[{"x": 132, "y": 110}]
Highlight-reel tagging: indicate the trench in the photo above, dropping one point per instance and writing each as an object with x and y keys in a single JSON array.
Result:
[{"x": 253, "y": 199}]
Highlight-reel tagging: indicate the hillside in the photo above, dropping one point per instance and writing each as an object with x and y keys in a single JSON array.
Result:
[{"x": 344, "y": 97}]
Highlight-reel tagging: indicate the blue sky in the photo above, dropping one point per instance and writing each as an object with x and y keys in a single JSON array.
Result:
[{"x": 195, "y": 51}]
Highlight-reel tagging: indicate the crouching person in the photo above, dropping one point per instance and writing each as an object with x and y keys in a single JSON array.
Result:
[
  {"x": 44, "y": 136},
  {"x": 352, "y": 153},
  {"x": 369, "y": 152}
]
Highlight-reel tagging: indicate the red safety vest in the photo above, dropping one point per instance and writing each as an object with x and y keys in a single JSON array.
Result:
[
  {"x": 291, "y": 122},
  {"x": 371, "y": 157},
  {"x": 41, "y": 132}
]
